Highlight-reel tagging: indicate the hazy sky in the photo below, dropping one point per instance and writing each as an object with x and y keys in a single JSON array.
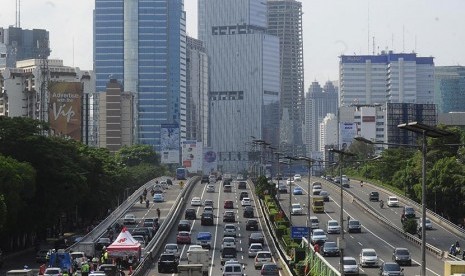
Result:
[{"x": 331, "y": 28}]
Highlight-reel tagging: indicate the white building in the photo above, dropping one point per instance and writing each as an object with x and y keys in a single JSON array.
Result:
[{"x": 328, "y": 132}]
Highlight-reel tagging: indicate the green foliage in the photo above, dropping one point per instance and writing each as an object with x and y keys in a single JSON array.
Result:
[
  {"x": 136, "y": 155},
  {"x": 410, "y": 226},
  {"x": 281, "y": 230},
  {"x": 3, "y": 211}
]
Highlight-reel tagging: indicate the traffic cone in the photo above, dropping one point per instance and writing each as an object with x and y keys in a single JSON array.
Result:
[{"x": 130, "y": 270}]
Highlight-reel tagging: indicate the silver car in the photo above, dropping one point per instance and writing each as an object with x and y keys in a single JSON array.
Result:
[{"x": 350, "y": 266}]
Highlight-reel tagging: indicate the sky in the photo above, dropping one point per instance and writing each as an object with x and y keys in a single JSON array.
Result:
[{"x": 330, "y": 28}]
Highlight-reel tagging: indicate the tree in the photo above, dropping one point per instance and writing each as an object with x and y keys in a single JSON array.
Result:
[{"x": 137, "y": 154}]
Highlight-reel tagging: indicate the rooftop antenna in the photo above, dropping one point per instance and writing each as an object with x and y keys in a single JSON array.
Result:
[
  {"x": 403, "y": 39},
  {"x": 392, "y": 41},
  {"x": 18, "y": 14},
  {"x": 373, "y": 45},
  {"x": 368, "y": 35},
  {"x": 415, "y": 49}
]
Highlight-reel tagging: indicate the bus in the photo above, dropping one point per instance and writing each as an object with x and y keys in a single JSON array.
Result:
[{"x": 181, "y": 173}]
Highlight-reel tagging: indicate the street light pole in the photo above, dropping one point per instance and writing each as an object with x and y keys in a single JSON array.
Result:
[
  {"x": 309, "y": 163},
  {"x": 290, "y": 188}
]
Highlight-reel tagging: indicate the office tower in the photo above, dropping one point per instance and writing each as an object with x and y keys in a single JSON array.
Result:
[
  {"x": 143, "y": 45},
  {"x": 196, "y": 123},
  {"x": 327, "y": 133},
  {"x": 449, "y": 88},
  {"x": 115, "y": 117},
  {"x": 285, "y": 22},
  {"x": 244, "y": 78},
  {"x": 318, "y": 103},
  {"x": 387, "y": 77},
  {"x": 18, "y": 44}
]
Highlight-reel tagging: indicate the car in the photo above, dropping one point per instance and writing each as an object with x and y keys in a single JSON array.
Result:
[
  {"x": 282, "y": 188},
  {"x": 354, "y": 225},
  {"x": 212, "y": 178},
  {"x": 228, "y": 242},
  {"x": 374, "y": 196},
  {"x": 210, "y": 188},
  {"x": 297, "y": 177},
  {"x": 190, "y": 214},
  {"x": 227, "y": 188},
  {"x": 325, "y": 195},
  {"x": 289, "y": 181},
  {"x": 243, "y": 194},
  {"x": 208, "y": 209},
  {"x": 53, "y": 271},
  {"x": 298, "y": 191},
  {"x": 205, "y": 179},
  {"x": 141, "y": 239},
  {"x": 392, "y": 201},
  {"x": 408, "y": 212},
  {"x": 261, "y": 258},
  {"x": 269, "y": 269},
  {"x": 251, "y": 225},
  {"x": 228, "y": 204},
  {"x": 97, "y": 273},
  {"x": 184, "y": 225},
  {"x": 428, "y": 224},
  {"x": 149, "y": 224},
  {"x": 318, "y": 236},
  {"x": 256, "y": 237},
  {"x": 248, "y": 212},
  {"x": 195, "y": 201},
  {"x": 296, "y": 209},
  {"x": 246, "y": 202},
  {"x": 229, "y": 216},
  {"x": 129, "y": 219},
  {"x": 242, "y": 185},
  {"x": 142, "y": 232},
  {"x": 164, "y": 184},
  {"x": 204, "y": 239},
  {"x": 41, "y": 256},
  {"x": 333, "y": 227},
  {"x": 402, "y": 256},
  {"x": 330, "y": 249},
  {"x": 172, "y": 248},
  {"x": 254, "y": 248},
  {"x": 183, "y": 237},
  {"x": 206, "y": 219},
  {"x": 168, "y": 262},
  {"x": 228, "y": 254},
  {"x": 233, "y": 268},
  {"x": 316, "y": 188},
  {"x": 391, "y": 269},
  {"x": 314, "y": 222},
  {"x": 158, "y": 198},
  {"x": 227, "y": 182},
  {"x": 229, "y": 230},
  {"x": 350, "y": 266},
  {"x": 368, "y": 257}
]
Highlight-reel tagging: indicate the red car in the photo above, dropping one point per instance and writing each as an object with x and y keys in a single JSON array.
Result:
[
  {"x": 228, "y": 204},
  {"x": 183, "y": 237}
]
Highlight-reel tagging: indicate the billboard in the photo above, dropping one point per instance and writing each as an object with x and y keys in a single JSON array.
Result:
[
  {"x": 210, "y": 161},
  {"x": 65, "y": 116},
  {"x": 169, "y": 143},
  {"x": 348, "y": 132},
  {"x": 192, "y": 155}
]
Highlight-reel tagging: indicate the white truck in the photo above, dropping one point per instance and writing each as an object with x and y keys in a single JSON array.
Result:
[
  {"x": 199, "y": 256},
  {"x": 87, "y": 247},
  {"x": 190, "y": 270}
]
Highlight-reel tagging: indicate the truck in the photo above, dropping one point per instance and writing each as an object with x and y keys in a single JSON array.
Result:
[
  {"x": 200, "y": 257},
  {"x": 87, "y": 247},
  {"x": 190, "y": 270},
  {"x": 318, "y": 204}
]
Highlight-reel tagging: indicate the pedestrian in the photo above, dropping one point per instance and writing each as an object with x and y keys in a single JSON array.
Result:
[
  {"x": 85, "y": 268},
  {"x": 158, "y": 213},
  {"x": 316, "y": 248}
]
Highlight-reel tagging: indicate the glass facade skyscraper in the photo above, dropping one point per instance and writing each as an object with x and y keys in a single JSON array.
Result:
[
  {"x": 143, "y": 44},
  {"x": 449, "y": 88}
]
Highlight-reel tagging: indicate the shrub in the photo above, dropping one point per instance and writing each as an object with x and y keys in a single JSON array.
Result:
[
  {"x": 281, "y": 230},
  {"x": 410, "y": 226}
]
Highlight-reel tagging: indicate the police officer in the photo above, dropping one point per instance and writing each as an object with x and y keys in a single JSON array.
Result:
[{"x": 85, "y": 268}]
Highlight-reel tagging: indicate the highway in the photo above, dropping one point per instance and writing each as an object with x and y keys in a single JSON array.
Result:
[
  {"x": 374, "y": 234},
  {"x": 217, "y": 229}
]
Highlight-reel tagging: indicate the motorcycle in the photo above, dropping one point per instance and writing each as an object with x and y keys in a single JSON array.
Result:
[
  {"x": 381, "y": 204},
  {"x": 147, "y": 203}
]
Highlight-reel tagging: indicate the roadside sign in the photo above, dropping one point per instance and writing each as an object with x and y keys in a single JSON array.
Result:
[{"x": 298, "y": 232}]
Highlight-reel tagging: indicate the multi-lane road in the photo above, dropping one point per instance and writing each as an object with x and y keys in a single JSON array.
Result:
[{"x": 374, "y": 233}]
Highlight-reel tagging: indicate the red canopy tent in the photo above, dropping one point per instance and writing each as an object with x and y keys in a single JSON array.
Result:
[{"x": 124, "y": 246}]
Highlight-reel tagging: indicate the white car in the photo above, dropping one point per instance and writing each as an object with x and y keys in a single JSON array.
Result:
[
  {"x": 296, "y": 209},
  {"x": 290, "y": 181},
  {"x": 210, "y": 188},
  {"x": 229, "y": 230},
  {"x": 208, "y": 209},
  {"x": 158, "y": 198},
  {"x": 392, "y": 201},
  {"x": 318, "y": 236},
  {"x": 53, "y": 271},
  {"x": 314, "y": 222},
  {"x": 140, "y": 239},
  {"x": 228, "y": 242},
  {"x": 196, "y": 201},
  {"x": 129, "y": 219},
  {"x": 428, "y": 224},
  {"x": 333, "y": 227},
  {"x": 246, "y": 201},
  {"x": 350, "y": 266},
  {"x": 297, "y": 177},
  {"x": 261, "y": 258},
  {"x": 172, "y": 248},
  {"x": 254, "y": 248},
  {"x": 368, "y": 257},
  {"x": 316, "y": 189}
]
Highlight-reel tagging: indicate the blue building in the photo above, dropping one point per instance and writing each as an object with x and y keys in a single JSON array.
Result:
[{"x": 143, "y": 44}]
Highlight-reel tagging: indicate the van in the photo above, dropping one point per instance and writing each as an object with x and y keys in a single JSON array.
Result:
[{"x": 233, "y": 268}]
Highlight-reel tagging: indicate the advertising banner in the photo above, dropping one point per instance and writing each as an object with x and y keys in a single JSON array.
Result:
[
  {"x": 65, "y": 109},
  {"x": 348, "y": 132},
  {"x": 210, "y": 161},
  {"x": 192, "y": 155},
  {"x": 169, "y": 143}
]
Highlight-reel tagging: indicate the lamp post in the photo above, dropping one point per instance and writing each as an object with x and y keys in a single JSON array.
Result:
[
  {"x": 290, "y": 187},
  {"x": 279, "y": 173},
  {"x": 425, "y": 131},
  {"x": 341, "y": 218},
  {"x": 309, "y": 161}
]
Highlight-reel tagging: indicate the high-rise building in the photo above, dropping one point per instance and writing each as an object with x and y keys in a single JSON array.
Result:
[
  {"x": 21, "y": 44},
  {"x": 196, "y": 123},
  {"x": 387, "y": 77},
  {"x": 318, "y": 103},
  {"x": 449, "y": 88},
  {"x": 285, "y": 22},
  {"x": 244, "y": 78},
  {"x": 143, "y": 44}
]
